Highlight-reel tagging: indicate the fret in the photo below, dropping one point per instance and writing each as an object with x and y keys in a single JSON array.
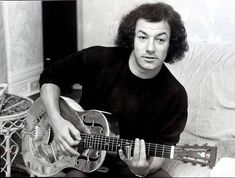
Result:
[
  {"x": 85, "y": 141},
  {"x": 86, "y": 138},
  {"x": 101, "y": 142},
  {"x": 91, "y": 145},
  {"x": 121, "y": 144},
  {"x": 112, "y": 144},
  {"x": 167, "y": 151},
  {"x": 163, "y": 147},
  {"x": 152, "y": 149},
  {"x": 88, "y": 141},
  {"x": 158, "y": 150},
  {"x": 109, "y": 143},
  {"x": 106, "y": 144},
  {"x": 116, "y": 144},
  {"x": 98, "y": 142},
  {"x": 148, "y": 149},
  {"x": 155, "y": 150},
  {"x": 94, "y": 142}
]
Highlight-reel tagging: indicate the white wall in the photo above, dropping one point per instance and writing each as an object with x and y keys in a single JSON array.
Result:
[
  {"x": 208, "y": 20},
  {"x": 22, "y": 33},
  {"x": 3, "y": 66}
]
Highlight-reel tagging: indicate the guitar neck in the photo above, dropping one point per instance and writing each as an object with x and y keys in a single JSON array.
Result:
[{"x": 113, "y": 144}]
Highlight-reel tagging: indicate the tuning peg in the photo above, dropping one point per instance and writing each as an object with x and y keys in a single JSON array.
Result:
[
  {"x": 206, "y": 144},
  {"x": 202, "y": 165},
  {"x": 194, "y": 164}
]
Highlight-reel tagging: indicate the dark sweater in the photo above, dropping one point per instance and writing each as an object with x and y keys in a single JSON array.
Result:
[{"x": 153, "y": 109}]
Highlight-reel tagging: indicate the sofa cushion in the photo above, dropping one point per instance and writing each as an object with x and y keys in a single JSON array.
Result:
[{"x": 208, "y": 74}]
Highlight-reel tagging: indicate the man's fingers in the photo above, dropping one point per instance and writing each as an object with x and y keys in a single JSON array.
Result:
[
  {"x": 136, "y": 155},
  {"x": 62, "y": 148},
  {"x": 75, "y": 133},
  {"x": 71, "y": 142},
  {"x": 142, "y": 151},
  {"x": 121, "y": 155},
  {"x": 67, "y": 149}
]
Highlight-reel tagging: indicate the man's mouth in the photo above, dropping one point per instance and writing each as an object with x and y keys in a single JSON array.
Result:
[{"x": 150, "y": 58}]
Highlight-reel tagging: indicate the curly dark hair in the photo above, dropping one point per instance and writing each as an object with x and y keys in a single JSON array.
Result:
[{"x": 155, "y": 12}]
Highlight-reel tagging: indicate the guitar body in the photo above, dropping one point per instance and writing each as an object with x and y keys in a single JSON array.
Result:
[{"x": 40, "y": 151}]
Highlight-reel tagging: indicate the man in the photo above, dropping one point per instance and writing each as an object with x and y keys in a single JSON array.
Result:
[{"x": 131, "y": 82}]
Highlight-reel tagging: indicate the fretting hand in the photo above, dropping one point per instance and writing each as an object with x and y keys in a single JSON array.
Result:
[{"x": 139, "y": 163}]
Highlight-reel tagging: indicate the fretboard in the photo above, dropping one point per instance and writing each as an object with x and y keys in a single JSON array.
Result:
[{"x": 113, "y": 144}]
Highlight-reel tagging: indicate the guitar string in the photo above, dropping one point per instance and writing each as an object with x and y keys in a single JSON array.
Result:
[
  {"x": 100, "y": 141},
  {"x": 103, "y": 137},
  {"x": 93, "y": 141},
  {"x": 96, "y": 140}
]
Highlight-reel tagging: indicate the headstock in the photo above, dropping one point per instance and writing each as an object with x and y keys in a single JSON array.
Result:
[{"x": 203, "y": 155}]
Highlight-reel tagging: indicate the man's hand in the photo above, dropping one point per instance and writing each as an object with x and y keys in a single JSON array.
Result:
[
  {"x": 66, "y": 136},
  {"x": 139, "y": 163}
]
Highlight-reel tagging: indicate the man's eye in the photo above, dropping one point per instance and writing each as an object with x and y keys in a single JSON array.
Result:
[
  {"x": 161, "y": 40},
  {"x": 141, "y": 37}
]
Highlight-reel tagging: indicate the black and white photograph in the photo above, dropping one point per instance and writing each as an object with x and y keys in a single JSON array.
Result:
[{"x": 117, "y": 88}]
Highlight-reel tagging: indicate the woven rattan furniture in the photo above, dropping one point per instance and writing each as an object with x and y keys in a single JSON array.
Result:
[{"x": 12, "y": 115}]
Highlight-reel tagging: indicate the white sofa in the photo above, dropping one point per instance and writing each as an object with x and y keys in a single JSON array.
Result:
[{"x": 208, "y": 74}]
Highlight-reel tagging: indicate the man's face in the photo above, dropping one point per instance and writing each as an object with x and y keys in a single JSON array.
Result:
[{"x": 151, "y": 44}]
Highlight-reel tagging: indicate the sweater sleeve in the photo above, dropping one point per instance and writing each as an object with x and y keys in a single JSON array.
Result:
[
  {"x": 64, "y": 72},
  {"x": 72, "y": 69},
  {"x": 176, "y": 116}
]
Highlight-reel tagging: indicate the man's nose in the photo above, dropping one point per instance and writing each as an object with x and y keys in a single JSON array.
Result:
[{"x": 150, "y": 47}]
